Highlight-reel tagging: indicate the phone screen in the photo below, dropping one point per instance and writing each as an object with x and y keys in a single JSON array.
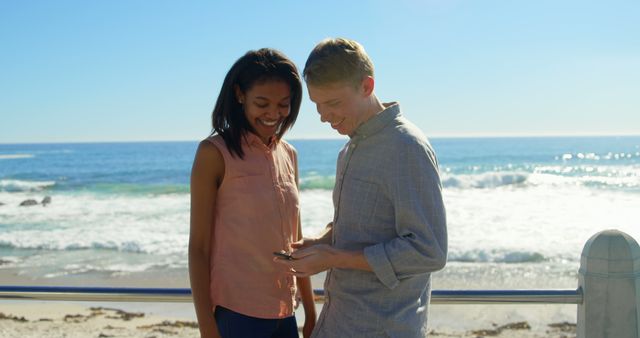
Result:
[{"x": 283, "y": 255}]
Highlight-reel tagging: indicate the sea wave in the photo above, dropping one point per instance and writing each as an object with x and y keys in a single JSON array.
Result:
[
  {"x": 24, "y": 186},
  {"x": 484, "y": 180},
  {"x": 62, "y": 245},
  {"x": 497, "y": 179},
  {"x": 15, "y": 156},
  {"x": 139, "y": 189},
  {"x": 589, "y": 156},
  {"x": 317, "y": 182},
  {"x": 145, "y": 224},
  {"x": 101, "y": 267},
  {"x": 496, "y": 256},
  {"x": 599, "y": 178},
  {"x": 143, "y": 247}
]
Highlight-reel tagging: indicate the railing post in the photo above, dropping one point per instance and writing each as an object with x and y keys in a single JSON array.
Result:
[{"x": 610, "y": 280}]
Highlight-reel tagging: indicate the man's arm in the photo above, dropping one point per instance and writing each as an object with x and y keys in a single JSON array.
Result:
[
  {"x": 304, "y": 283},
  {"x": 420, "y": 219}
]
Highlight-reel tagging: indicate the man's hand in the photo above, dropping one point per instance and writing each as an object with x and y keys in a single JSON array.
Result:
[
  {"x": 304, "y": 243},
  {"x": 309, "y": 259}
]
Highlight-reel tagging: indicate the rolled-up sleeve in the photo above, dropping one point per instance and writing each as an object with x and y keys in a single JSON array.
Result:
[
  {"x": 379, "y": 262},
  {"x": 415, "y": 191}
]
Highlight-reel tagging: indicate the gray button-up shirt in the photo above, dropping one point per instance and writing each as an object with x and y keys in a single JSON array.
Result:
[{"x": 388, "y": 202}]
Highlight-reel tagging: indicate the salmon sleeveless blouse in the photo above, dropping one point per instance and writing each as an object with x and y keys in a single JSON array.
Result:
[{"x": 256, "y": 213}]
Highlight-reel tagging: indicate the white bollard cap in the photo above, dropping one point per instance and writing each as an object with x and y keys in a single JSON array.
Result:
[{"x": 612, "y": 253}]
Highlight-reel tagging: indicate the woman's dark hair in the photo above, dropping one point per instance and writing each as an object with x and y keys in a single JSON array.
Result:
[{"x": 256, "y": 66}]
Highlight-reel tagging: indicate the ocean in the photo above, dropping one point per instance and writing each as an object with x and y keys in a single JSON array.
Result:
[{"x": 519, "y": 209}]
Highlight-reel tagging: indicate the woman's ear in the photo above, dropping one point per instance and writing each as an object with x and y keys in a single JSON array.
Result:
[{"x": 239, "y": 94}]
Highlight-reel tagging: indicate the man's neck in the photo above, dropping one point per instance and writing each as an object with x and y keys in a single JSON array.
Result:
[{"x": 373, "y": 108}]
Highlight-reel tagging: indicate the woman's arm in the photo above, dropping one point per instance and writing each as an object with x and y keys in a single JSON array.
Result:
[
  {"x": 304, "y": 283},
  {"x": 306, "y": 292},
  {"x": 206, "y": 174}
]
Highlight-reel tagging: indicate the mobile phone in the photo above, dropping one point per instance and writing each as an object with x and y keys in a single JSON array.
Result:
[{"x": 283, "y": 255}]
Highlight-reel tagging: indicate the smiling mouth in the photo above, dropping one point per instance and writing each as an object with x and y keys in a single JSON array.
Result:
[
  {"x": 334, "y": 125},
  {"x": 269, "y": 123}
]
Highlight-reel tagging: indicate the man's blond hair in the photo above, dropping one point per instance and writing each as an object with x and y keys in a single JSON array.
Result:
[{"x": 336, "y": 60}]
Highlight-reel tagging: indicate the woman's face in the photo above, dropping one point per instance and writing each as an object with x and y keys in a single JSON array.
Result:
[{"x": 266, "y": 105}]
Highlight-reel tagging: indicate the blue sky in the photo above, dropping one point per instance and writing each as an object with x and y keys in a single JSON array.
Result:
[{"x": 76, "y": 71}]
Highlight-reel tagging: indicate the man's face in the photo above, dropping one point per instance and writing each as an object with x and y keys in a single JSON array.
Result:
[{"x": 340, "y": 105}]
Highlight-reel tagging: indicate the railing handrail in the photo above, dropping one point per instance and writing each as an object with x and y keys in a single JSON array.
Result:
[
  {"x": 183, "y": 295},
  {"x": 555, "y": 296}
]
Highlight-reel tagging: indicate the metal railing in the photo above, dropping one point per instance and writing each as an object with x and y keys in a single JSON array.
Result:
[
  {"x": 608, "y": 290},
  {"x": 183, "y": 295}
]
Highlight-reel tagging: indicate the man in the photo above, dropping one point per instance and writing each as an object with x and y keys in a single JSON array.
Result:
[{"x": 389, "y": 227}]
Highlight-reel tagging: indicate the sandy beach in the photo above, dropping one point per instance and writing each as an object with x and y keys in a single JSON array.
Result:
[
  {"x": 62, "y": 319},
  {"x": 119, "y": 319},
  {"x": 30, "y": 318}
]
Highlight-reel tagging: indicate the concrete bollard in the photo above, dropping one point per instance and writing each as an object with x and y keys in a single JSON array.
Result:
[{"x": 609, "y": 276}]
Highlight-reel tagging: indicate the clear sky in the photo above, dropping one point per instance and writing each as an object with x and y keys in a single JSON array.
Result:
[{"x": 75, "y": 71}]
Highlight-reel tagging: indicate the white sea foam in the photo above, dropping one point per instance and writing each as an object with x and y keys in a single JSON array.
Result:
[
  {"x": 584, "y": 156},
  {"x": 138, "y": 224},
  {"x": 533, "y": 224},
  {"x": 479, "y": 255},
  {"x": 544, "y": 220},
  {"x": 484, "y": 180},
  {"x": 539, "y": 219},
  {"x": 312, "y": 181},
  {"x": 316, "y": 209},
  {"x": 584, "y": 175},
  {"x": 22, "y": 185},
  {"x": 15, "y": 156}
]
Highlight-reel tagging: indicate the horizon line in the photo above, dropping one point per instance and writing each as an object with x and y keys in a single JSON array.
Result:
[{"x": 302, "y": 138}]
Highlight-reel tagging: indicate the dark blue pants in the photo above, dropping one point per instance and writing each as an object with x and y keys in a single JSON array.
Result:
[{"x": 235, "y": 325}]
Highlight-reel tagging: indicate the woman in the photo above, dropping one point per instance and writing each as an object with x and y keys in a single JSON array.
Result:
[{"x": 244, "y": 206}]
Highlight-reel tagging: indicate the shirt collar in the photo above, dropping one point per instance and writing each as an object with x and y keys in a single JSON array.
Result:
[
  {"x": 254, "y": 140},
  {"x": 377, "y": 122}
]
